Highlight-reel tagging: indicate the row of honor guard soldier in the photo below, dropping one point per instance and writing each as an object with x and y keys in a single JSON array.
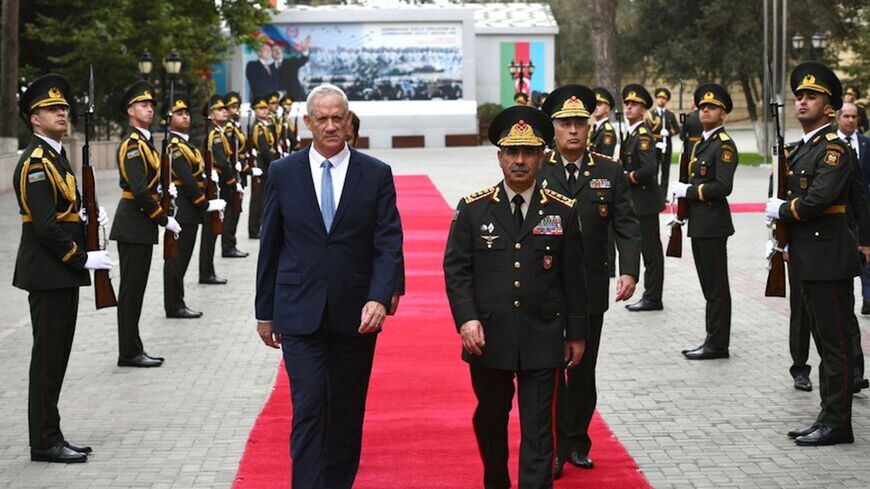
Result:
[
  {"x": 236, "y": 139},
  {"x": 515, "y": 281},
  {"x": 598, "y": 184},
  {"x": 263, "y": 144},
  {"x": 664, "y": 126}
]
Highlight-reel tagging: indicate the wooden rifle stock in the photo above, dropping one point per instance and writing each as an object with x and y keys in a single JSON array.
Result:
[
  {"x": 675, "y": 243},
  {"x": 215, "y": 221},
  {"x": 776, "y": 275},
  {"x": 170, "y": 243},
  {"x": 104, "y": 293},
  {"x": 237, "y": 196}
]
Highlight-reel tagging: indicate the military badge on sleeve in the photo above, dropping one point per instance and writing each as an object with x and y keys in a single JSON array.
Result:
[
  {"x": 727, "y": 156},
  {"x": 832, "y": 158}
]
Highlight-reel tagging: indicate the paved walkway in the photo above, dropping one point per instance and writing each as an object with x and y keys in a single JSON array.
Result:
[{"x": 706, "y": 424}]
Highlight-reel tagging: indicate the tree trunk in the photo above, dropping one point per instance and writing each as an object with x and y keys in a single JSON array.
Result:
[
  {"x": 9, "y": 70},
  {"x": 750, "y": 100},
  {"x": 602, "y": 29}
]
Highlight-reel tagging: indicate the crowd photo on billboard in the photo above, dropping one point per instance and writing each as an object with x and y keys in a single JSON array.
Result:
[{"x": 369, "y": 61}]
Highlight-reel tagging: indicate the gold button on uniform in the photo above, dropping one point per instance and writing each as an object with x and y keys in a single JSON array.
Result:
[
  {"x": 517, "y": 265},
  {"x": 517, "y": 284},
  {"x": 517, "y": 246},
  {"x": 516, "y": 303}
]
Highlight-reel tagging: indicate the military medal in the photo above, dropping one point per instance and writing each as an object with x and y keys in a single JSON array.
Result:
[
  {"x": 602, "y": 209},
  {"x": 548, "y": 262},
  {"x": 549, "y": 225},
  {"x": 804, "y": 183},
  {"x": 600, "y": 183},
  {"x": 703, "y": 171},
  {"x": 489, "y": 238}
]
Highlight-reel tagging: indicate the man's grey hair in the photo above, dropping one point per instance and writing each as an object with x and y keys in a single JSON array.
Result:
[
  {"x": 322, "y": 91},
  {"x": 847, "y": 105}
]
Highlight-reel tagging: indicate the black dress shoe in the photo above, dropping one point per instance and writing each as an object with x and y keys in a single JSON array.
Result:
[
  {"x": 234, "y": 253},
  {"x": 802, "y": 383},
  {"x": 57, "y": 454},
  {"x": 687, "y": 350},
  {"x": 74, "y": 448},
  {"x": 803, "y": 431},
  {"x": 184, "y": 313},
  {"x": 865, "y": 308},
  {"x": 645, "y": 305},
  {"x": 581, "y": 461},
  {"x": 825, "y": 435},
  {"x": 558, "y": 467},
  {"x": 861, "y": 384},
  {"x": 141, "y": 360},
  {"x": 705, "y": 353},
  {"x": 213, "y": 280}
]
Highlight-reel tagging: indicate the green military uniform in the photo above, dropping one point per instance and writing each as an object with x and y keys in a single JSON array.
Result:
[
  {"x": 190, "y": 205},
  {"x": 235, "y": 142},
  {"x": 659, "y": 118},
  {"x": 599, "y": 186},
  {"x": 521, "y": 276},
  {"x": 50, "y": 264},
  {"x": 823, "y": 253},
  {"x": 604, "y": 141},
  {"x": 288, "y": 129},
  {"x": 711, "y": 178},
  {"x": 263, "y": 142},
  {"x": 639, "y": 157},
  {"x": 219, "y": 150},
  {"x": 692, "y": 130},
  {"x": 136, "y": 220}
]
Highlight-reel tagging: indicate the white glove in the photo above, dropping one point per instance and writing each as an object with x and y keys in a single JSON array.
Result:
[
  {"x": 173, "y": 190},
  {"x": 680, "y": 189},
  {"x": 256, "y": 172},
  {"x": 662, "y": 146},
  {"x": 103, "y": 217},
  {"x": 238, "y": 166},
  {"x": 239, "y": 188},
  {"x": 172, "y": 225},
  {"x": 216, "y": 205},
  {"x": 254, "y": 152},
  {"x": 664, "y": 132},
  {"x": 99, "y": 260},
  {"x": 772, "y": 207},
  {"x": 214, "y": 176}
]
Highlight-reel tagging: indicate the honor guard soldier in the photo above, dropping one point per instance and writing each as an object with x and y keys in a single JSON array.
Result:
[
  {"x": 664, "y": 125},
  {"x": 235, "y": 142},
  {"x": 219, "y": 151},
  {"x": 52, "y": 262},
  {"x": 275, "y": 120},
  {"x": 515, "y": 281},
  {"x": 597, "y": 182},
  {"x": 603, "y": 139},
  {"x": 262, "y": 140},
  {"x": 288, "y": 130},
  {"x": 136, "y": 220},
  {"x": 851, "y": 95},
  {"x": 711, "y": 179},
  {"x": 639, "y": 157},
  {"x": 191, "y": 205},
  {"x": 692, "y": 130},
  {"x": 821, "y": 247}
]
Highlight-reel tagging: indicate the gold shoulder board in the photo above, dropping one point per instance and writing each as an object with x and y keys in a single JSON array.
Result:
[
  {"x": 724, "y": 137},
  {"x": 608, "y": 126},
  {"x": 479, "y": 195},
  {"x": 831, "y": 136},
  {"x": 642, "y": 130},
  {"x": 37, "y": 153},
  {"x": 604, "y": 157},
  {"x": 559, "y": 197}
]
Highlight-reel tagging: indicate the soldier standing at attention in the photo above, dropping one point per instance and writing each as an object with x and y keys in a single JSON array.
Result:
[
  {"x": 822, "y": 248},
  {"x": 52, "y": 262},
  {"x": 275, "y": 121},
  {"x": 288, "y": 128},
  {"x": 711, "y": 178},
  {"x": 597, "y": 182},
  {"x": 136, "y": 221},
  {"x": 603, "y": 139},
  {"x": 262, "y": 141},
  {"x": 219, "y": 149},
  {"x": 639, "y": 157},
  {"x": 663, "y": 124},
  {"x": 515, "y": 281},
  {"x": 188, "y": 177},
  {"x": 236, "y": 142}
]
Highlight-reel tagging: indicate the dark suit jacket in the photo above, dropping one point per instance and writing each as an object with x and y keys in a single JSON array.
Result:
[
  {"x": 260, "y": 79},
  {"x": 287, "y": 76},
  {"x": 864, "y": 162},
  {"x": 303, "y": 270}
]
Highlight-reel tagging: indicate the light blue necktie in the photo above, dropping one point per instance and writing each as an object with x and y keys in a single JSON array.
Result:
[{"x": 327, "y": 200}]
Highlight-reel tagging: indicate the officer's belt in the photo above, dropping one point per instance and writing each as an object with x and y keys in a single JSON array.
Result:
[
  {"x": 835, "y": 209},
  {"x": 126, "y": 194},
  {"x": 60, "y": 216},
  {"x": 179, "y": 182}
]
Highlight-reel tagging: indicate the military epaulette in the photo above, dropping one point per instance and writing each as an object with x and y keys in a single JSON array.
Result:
[
  {"x": 175, "y": 140},
  {"x": 642, "y": 130},
  {"x": 724, "y": 137},
  {"x": 608, "y": 126},
  {"x": 831, "y": 136},
  {"x": 552, "y": 159},
  {"x": 604, "y": 157},
  {"x": 482, "y": 194},
  {"x": 835, "y": 147},
  {"x": 134, "y": 135},
  {"x": 37, "y": 153},
  {"x": 547, "y": 193}
]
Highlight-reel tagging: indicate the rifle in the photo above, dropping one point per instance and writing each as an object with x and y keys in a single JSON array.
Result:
[
  {"x": 215, "y": 219},
  {"x": 777, "y": 230},
  {"x": 675, "y": 243},
  {"x": 104, "y": 294},
  {"x": 237, "y": 197},
  {"x": 170, "y": 239}
]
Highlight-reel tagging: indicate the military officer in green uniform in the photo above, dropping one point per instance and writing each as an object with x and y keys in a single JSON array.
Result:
[
  {"x": 262, "y": 141},
  {"x": 288, "y": 130},
  {"x": 52, "y": 262},
  {"x": 597, "y": 182},
  {"x": 189, "y": 178},
  {"x": 219, "y": 149},
  {"x": 273, "y": 99},
  {"x": 235, "y": 143},
  {"x": 639, "y": 157},
  {"x": 136, "y": 220},
  {"x": 663, "y": 124},
  {"x": 692, "y": 130},
  {"x": 821, "y": 247},
  {"x": 603, "y": 139},
  {"x": 711, "y": 179},
  {"x": 515, "y": 281}
]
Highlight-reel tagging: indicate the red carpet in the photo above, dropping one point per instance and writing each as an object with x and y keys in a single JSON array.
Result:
[{"x": 418, "y": 420}]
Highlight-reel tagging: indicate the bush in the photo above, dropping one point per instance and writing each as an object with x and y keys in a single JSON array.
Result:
[{"x": 487, "y": 112}]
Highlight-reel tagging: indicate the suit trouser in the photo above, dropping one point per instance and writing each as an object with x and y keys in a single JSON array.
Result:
[
  {"x": 206, "y": 249},
  {"x": 494, "y": 389},
  {"x": 711, "y": 262},
  {"x": 53, "y": 317},
  {"x": 329, "y": 378},
  {"x": 231, "y": 221},
  {"x": 577, "y": 396},
  {"x": 135, "y": 265},
  {"x": 653, "y": 257},
  {"x": 799, "y": 327},
  {"x": 174, "y": 269},
  {"x": 255, "y": 209},
  {"x": 830, "y": 305},
  {"x": 865, "y": 282}
]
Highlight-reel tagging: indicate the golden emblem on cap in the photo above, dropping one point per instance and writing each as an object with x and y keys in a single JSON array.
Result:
[
  {"x": 54, "y": 92},
  {"x": 521, "y": 134},
  {"x": 147, "y": 93},
  {"x": 573, "y": 103},
  {"x": 809, "y": 80},
  {"x": 709, "y": 96},
  {"x": 571, "y": 107},
  {"x": 632, "y": 94},
  {"x": 179, "y": 104}
]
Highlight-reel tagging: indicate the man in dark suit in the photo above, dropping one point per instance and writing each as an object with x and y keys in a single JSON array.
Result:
[
  {"x": 711, "y": 178},
  {"x": 52, "y": 262},
  {"x": 515, "y": 280},
  {"x": 136, "y": 220},
  {"x": 603, "y": 197},
  {"x": 851, "y": 96},
  {"x": 286, "y": 70},
  {"x": 330, "y": 250},
  {"x": 260, "y": 72}
]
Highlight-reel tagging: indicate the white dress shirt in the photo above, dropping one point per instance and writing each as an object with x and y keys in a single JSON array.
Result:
[
  {"x": 55, "y": 145},
  {"x": 706, "y": 134},
  {"x": 812, "y": 133},
  {"x": 340, "y": 162},
  {"x": 632, "y": 127},
  {"x": 852, "y": 140},
  {"x": 599, "y": 123},
  {"x": 527, "y": 197},
  {"x": 186, "y": 137}
]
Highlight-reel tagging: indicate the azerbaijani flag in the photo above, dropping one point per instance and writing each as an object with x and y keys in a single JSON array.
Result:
[{"x": 521, "y": 52}]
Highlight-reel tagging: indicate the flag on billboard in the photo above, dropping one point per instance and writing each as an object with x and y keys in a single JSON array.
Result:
[{"x": 521, "y": 52}]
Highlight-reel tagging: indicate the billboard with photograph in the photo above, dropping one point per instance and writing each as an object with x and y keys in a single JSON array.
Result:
[{"x": 370, "y": 61}]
